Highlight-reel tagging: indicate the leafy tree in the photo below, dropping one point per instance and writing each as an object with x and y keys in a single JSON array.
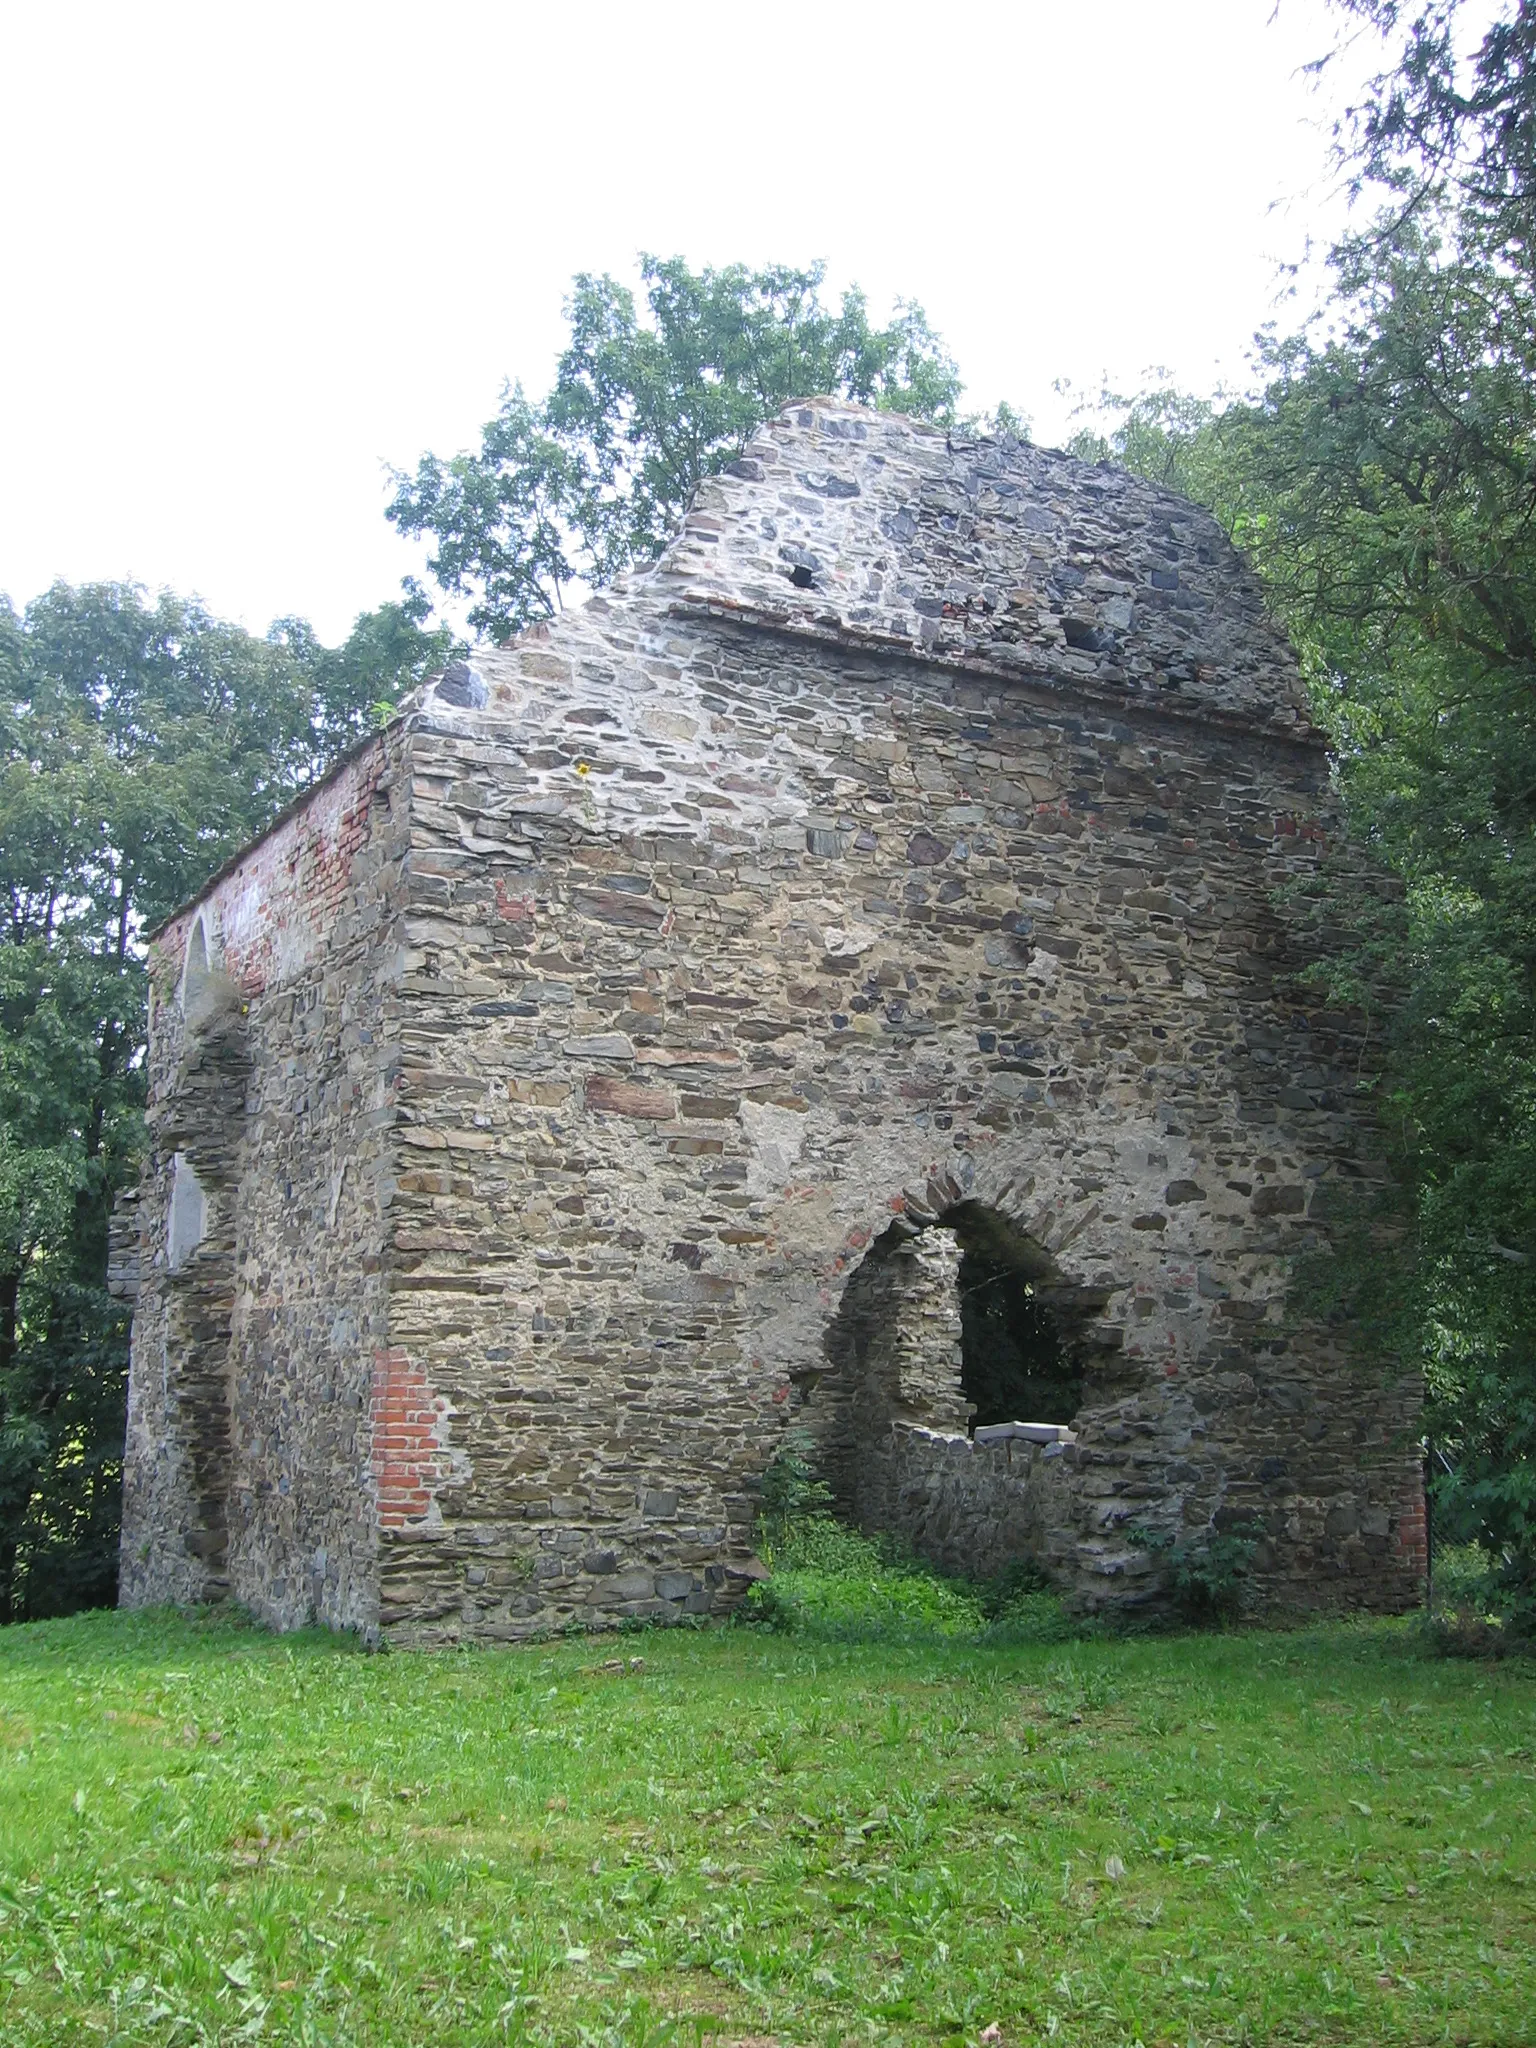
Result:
[
  {"x": 1161, "y": 433},
  {"x": 140, "y": 744},
  {"x": 1444, "y": 133},
  {"x": 645, "y": 405}
]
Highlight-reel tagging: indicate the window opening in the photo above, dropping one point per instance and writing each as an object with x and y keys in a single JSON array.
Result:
[
  {"x": 1014, "y": 1364},
  {"x": 189, "y": 1213}
]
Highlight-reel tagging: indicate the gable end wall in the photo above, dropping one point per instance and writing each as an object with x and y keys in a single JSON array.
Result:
[{"x": 724, "y": 947}]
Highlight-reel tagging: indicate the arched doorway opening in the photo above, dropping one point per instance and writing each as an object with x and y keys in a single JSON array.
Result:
[
  {"x": 957, "y": 1342},
  {"x": 1016, "y": 1364}
]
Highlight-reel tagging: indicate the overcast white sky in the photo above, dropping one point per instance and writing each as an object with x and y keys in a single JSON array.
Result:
[{"x": 257, "y": 253}]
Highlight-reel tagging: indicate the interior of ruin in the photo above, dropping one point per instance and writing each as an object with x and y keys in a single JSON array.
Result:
[{"x": 964, "y": 1334}]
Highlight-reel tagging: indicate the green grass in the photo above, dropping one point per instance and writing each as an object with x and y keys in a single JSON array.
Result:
[{"x": 881, "y": 1820}]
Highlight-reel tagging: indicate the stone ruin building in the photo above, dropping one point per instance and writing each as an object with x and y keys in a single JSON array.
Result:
[{"x": 840, "y": 979}]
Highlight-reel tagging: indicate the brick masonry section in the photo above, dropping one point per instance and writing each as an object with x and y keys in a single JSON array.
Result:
[
  {"x": 410, "y": 1455},
  {"x": 908, "y": 850},
  {"x": 277, "y": 903},
  {"x": 1413, "y": 1526}
]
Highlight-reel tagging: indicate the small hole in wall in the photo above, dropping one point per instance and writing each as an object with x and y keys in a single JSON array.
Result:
[
  {"x": 1078, "y": 633},
  {"x": 801, "y": 577},
  {"x": 197, "y": 972}
]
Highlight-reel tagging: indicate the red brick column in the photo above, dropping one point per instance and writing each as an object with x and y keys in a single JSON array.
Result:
[
  {"x": 409, "y": 1457},
  {"x": 1412, "y": 1547}
]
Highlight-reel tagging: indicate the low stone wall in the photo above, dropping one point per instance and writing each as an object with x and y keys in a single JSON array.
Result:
[{"x": 968, "y": 1507}]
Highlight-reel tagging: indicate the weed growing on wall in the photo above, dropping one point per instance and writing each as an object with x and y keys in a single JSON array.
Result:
[{"x": 1205, "y": 1578}]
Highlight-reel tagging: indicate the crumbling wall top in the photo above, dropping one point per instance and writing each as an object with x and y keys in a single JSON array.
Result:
[
  {"x": 865, "y": 527},
  {"x": 864, "y": 530}
]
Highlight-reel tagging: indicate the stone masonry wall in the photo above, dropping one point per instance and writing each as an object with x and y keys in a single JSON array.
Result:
[
  {"x": 892, "y": 1353},
  {"x": 732, "y": 936},
  {"x": 906, "y": 844},
  {"x": 249, "y": 1465},
  {"x": 970, "y": 1507},
  {"x": 889, "y": 1421}
]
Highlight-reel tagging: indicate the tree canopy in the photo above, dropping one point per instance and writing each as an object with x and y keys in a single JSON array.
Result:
[
  {"x": 1383, "y": 481},
  {"x": 141, "y": 743}
]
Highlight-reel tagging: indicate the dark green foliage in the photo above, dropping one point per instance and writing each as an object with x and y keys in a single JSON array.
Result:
[
  {"x": 1444, "y": 130},
  {"x": 835, "y": 1584},
  {"x": 1020, "y": 1606},
  {"x": 140, "y": 744},
  {"x": 1161, "y": 434},
  {"x": 502, "y": 521},
  {"x": 1204, "y": 1577},
  {"x": 1383, "y": 482},
  {"x": 842, "y": 1588},
  {"x": 646, "y": 404},
  {"x": 1478, "y": 1607},
  {"x": 1021, "y": 1579},
  {"x": 792, "y": 1492},
  {"x": 1208, "y": 1577}
]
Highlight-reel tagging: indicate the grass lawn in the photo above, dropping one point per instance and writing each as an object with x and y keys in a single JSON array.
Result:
[{"x": 211, "y": 1835}]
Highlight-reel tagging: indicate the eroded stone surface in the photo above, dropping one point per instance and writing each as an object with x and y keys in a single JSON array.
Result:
[{"x": 602, "y": 1016}]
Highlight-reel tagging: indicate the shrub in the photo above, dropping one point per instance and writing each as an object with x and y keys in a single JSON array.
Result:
[
  {"x": 834, "y": 1582},
  {"x": 1482, "y": 1604},
  {"x": 793, "y": 1493},
  {"x": 1206, "y": 1577},
  {"x": 820, "y": 1543},
  {"x": 880, "y": 1604},
  {"x": 1036, "y": 1615}
]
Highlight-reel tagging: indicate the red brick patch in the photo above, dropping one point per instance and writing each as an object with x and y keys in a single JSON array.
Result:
[
  {"x": 1413, "y": 1525},
  {"x": 516, "y": 906},
  {"x": 628, "y": 1098},
  {"x": 410, "y": 1454},
  {"x": 277, "y": 905},
  {"x": 1301, "y": 828}
]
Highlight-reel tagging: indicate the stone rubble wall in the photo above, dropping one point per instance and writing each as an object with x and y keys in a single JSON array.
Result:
[
  {"x": 971, "y": 1508},
  {"x": 710, "y": 930},
  {"x": 988, "y": 554},
  {"x": 249, "y": 1458},
  {"x": 892, "y": 1352},
  {"x": 123, "y": 1246},
  {"x": 726, "y": 945}
]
